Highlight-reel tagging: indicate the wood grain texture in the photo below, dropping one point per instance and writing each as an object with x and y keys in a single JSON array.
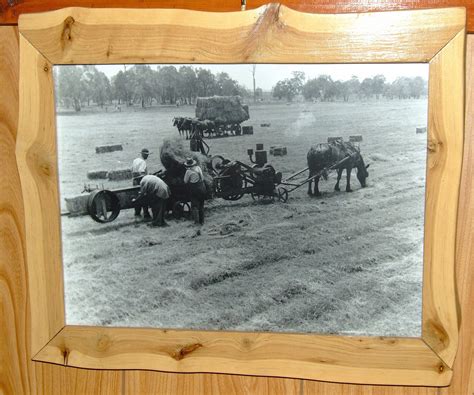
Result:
[
  {"x": 11, "y": 9},
  {"x": 58, "y": 380},
  {"x": 269, "y": 34},
  {"x": 15, "y": 370},
  {"x": 36, "y": 158},
  {"x": 463, "y": 380},
  {"x": 139, "y": 382},
  {"x": 440, "y": 322},
  {"x": 376, "y": 360}
]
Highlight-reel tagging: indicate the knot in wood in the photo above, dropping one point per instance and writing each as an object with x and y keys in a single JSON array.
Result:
[
  {"x": 185, "y": 350},
  {"x": 103, "y": 343}
]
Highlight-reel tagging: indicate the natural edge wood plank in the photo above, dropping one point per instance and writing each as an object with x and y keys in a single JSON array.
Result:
[
  {"x": 10, "y": 10},
  {"x": 463, "y": 379},
  {"x": 16, "y": 374},
  {"x": 262, "y": 35},
  {"x": 329, "y": 358},
  {"x": 140, "y": 382},
  {"x": 440, "y": 323},
  {"x": 36, "y": 153}
]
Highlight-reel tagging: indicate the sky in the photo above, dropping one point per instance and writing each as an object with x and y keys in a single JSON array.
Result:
[{"x": 267, "y": 75}]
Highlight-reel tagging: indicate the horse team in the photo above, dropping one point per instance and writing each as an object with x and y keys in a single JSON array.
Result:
[{"x": 187, "y": 127}]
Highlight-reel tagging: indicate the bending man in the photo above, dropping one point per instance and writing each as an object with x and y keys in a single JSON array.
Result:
[{"x": 154, "y": 192}]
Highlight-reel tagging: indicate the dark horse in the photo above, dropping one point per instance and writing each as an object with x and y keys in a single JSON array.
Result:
[{"x": 325, "y": 155}]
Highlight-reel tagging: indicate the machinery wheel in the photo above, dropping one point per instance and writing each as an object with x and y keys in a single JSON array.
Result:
[
  {"x": 103, "y": 206},
  {"x": 238, "y": 186},
  {"x": 181, "y": 209},
  {"x": 282, "y": 194},
  {"x": 216, "y": 163}
]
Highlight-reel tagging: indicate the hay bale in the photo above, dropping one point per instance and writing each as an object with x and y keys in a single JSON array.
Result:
[
  {"x": 247, "y": 129},
  {"x": 421, "y": 130},
  {"x": 265, "y": 125},
  {"x": 173, "y": 154},
  {"x": 97, "y": 174},
  {"x": 118, "y": 175},
  {"x": 356, "y": 138},
  {"x": 334, "y": 139},
  {"x": 77, "y": 205},
  {"x": 108, "y": 148},
  {"x": 223, "y": 109},
  {"x": 278, "y": 150}
]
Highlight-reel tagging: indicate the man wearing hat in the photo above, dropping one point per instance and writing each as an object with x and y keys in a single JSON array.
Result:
[
  {"x": 154, "y": 192},
  {"x": 139, "y": 170},
  {"x": 194, "y": 179}
]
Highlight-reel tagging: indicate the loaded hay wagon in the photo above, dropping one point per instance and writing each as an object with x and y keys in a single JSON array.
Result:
[{"x": 225, "y": 113}]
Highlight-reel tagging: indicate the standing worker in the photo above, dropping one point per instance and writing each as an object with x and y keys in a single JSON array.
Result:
[
  {"x": 154, "y": 192},
  {"x": 139, "y": 170},
  {"x": 194, "y": 179}
]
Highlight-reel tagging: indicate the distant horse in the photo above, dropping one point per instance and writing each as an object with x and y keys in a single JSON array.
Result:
[
  {"x": 184, "y": 125},
  {"x": 325, "y": 155}
]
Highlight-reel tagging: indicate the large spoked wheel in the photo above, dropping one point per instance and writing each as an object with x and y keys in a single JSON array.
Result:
[
  {"x": 103, "y": 206},
  {"x": 282, "y": 194},
  {"x": 232, "y": 188},
  {"x": 217, "y": 162},
  {"x": 181, "y": 210}
]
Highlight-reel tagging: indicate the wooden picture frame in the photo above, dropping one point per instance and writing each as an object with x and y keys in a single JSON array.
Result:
[{"x": 269, "y": 34}]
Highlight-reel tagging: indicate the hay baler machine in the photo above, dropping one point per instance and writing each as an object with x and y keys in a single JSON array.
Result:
[
  {"x": 104, "y": 205},
  {"x": 234, "y": 179}
]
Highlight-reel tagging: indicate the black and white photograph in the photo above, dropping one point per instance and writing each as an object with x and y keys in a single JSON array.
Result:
[{"x": 243, "y": 197}]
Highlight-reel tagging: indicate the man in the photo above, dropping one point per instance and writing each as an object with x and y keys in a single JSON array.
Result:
[
  {"x": 194, "y": 179},
  {"x": 154, "y": 192},
  {"x": 139, "y": 169}
]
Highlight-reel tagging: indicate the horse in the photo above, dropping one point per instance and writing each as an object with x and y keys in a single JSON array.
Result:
[
  {"x": 178, "y": 122},
  {"x": 325, "y": 155}
]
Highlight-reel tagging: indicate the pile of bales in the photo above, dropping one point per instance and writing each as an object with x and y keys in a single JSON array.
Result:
[
  {"x": 223, "y": 109},
  {"x": 173, "y": 154}
]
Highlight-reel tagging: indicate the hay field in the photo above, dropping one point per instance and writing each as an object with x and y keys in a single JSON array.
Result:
[{"x": 348, "y": 263}]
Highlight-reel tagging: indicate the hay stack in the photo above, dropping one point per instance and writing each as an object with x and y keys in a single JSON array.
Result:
[
  {"x": 173, "y": 154},
  {"x": 225, "y": 109}
]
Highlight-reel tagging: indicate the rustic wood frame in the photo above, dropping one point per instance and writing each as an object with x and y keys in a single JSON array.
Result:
[{"x": 270, "y": 34}]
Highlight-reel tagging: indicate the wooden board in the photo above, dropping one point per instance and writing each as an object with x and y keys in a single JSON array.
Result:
[
  {"x": 33, "y": 152},
  {"x": 58, "y": 380},
  {"x": 269, "y": 34},
  {"x": 16, "y": 372},
  {"x": 137, "y": 382},
  {"x": 11, "y": 9}
]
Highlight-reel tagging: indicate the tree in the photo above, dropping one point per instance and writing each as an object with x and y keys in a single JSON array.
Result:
[
  {"x": 123, "y": 86},
  {"x": 289, "y": 87},
  {"x": 226, "y": 86},
  {"x": 168, "y": 77},
  {"x": 206, "y": 83},
  {"x": 187, "y": 84},
  {"x": 71, "y": 87},
  {"x": 378, "y": 85},
  {"x": 417, "y": 87}
]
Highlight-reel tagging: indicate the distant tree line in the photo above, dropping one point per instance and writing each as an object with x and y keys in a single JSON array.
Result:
[
  {"x": 79, "y": 85},
  {"x": 324, "y": 88}
]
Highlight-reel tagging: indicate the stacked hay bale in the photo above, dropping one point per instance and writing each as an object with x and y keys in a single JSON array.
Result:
[
  {"x": 223, "y": 109},
  {"x": 173, "y": 154}
]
